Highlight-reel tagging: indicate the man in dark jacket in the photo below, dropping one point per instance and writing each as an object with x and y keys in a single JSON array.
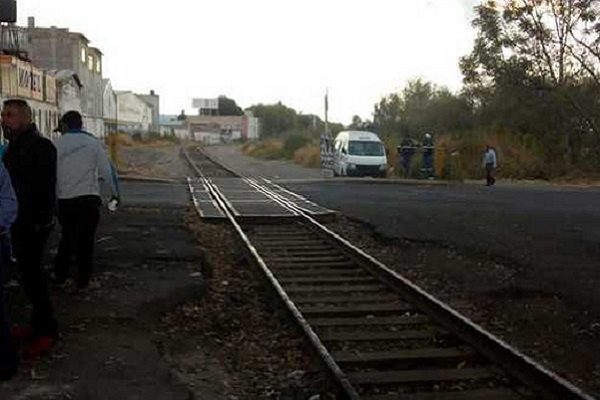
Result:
[
  {"x": 407, "y": 151},
  {"x": 31, "y": 162}
]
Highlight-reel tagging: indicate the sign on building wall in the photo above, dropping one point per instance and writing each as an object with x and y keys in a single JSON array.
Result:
[
  {"x": 206, "y": 104},
  {"x": 49, "y": 88},
  {"x": 24, "y": 76},
  {"x": 37, "y": 84}
]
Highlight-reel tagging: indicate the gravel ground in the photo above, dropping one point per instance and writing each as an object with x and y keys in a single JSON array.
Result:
[
  {"x": 146, "y": 263},
  {"x": 152, "y": 160},
  {"x": 231, "y": 344},
  {"x": 490, "y": 291},
  {"x": 262, "y": 356}
]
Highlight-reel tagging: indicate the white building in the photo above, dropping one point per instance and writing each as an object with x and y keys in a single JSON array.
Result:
[
  {"x": 134, "y": 115},
  {"x": 172, "y": 125},
  {"x": 212, "y": 129},
  {"x": 109, "y": 107}
]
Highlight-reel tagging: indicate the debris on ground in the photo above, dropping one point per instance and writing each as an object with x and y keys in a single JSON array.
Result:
[
  {"x": 495, "y": 293},
  {"x": 263, "y": 355}
]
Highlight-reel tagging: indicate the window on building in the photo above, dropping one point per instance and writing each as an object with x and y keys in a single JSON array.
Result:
[
  {"x": 83, "y": 55},
  {"x": 98, "y": 66},
  {"x": 91, "y": 63}
]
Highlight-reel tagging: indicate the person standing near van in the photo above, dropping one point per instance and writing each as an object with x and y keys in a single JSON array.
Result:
[
  {"x": 428, "y": 148},
  {"x": 82, "y": 163},
  {"x": 407, "y": 151},
  {"x": 490, "y": 163},
  {"x": 9, "y": 360}
]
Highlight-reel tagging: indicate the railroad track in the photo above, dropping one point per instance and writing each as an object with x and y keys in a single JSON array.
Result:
[{"x": 380, "y": 336}]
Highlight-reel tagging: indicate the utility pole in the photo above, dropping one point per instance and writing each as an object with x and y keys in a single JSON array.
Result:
[
  {"x": 326, "y": 142},
  {"x": 327, "y": 112}
]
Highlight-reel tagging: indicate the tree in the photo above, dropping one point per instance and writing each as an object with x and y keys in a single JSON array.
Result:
[
  {"x": 229, "y": 107},
  {"x": 419, "y": 108},
  {"x": 532, "y": 68},
  {"x": 387, "y": 115},
  {"x": 276, "y": 119},
  {"x": 357, "y": 123}
]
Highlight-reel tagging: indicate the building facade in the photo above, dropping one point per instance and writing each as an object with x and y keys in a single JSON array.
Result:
[
  {"x": 134, "y": 115},
  {"x": 213, "y": 129},
  {"x": 21, "y": 79},
  {"x": 138, "y": 113},
  {"x": 109, "y": 108},
  {"x": 58, "y": 49},
  {"x": 153, "y": 101},
  {"x": 173, "y": 125}
]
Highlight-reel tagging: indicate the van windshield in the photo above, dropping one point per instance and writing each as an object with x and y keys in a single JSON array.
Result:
[{"x": 365, "y": 148}]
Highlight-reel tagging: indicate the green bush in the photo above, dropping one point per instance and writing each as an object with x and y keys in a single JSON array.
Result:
[
  {"x": 271, "y": 149},
  {"x": 294, "y": 142}
]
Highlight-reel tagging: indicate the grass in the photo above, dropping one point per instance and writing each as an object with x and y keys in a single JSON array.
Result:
[
  {"x": 457, "y": 157},
  {"x": 308, "y": 156},
  {"x": 297, "y": 148},
  {"x": 270, "y": 149}
]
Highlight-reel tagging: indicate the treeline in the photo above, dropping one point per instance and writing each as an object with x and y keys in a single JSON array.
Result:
[
  {"x": 293, "y": 131},
  {"x": 531, "y": 88},
  {"x": 279, "y": 120}
]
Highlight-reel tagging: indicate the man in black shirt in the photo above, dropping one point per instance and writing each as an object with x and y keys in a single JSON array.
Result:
[{"x": 31, "y": 163}]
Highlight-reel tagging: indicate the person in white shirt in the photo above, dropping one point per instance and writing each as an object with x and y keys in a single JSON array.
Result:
[
  {"x": 82, "y": 165},
  {"x": 490, "y": 163}
]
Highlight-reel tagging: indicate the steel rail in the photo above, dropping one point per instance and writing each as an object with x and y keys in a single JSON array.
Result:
[
  {"x": 534, "y": 376},
  {"x": 341, "y": 379},
  {"x": 515, "y": 363}
]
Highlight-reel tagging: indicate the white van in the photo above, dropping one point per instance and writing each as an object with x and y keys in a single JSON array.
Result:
[{"x": 359, "y": 153}]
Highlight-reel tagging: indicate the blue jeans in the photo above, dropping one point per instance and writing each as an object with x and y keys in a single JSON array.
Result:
[{"x": 8, "y": 356}]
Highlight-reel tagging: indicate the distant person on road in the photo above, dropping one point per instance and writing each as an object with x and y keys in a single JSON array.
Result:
[
  {"x": 31, "y": 162},
  {"x": 428, "y": 148},
  {"x": 490, "y": 163},
  {"x": 82, "y": 165},
  {"x": 407, "y": 151},
  {"x": 9, "y": 360}
]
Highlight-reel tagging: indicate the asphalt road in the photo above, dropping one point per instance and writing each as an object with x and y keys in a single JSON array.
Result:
[
  {"x": 233, "y": 157},
  {"x": 550, "y": 234}
]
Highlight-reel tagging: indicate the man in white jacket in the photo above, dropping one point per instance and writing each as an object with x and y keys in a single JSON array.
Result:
[
  {"x": 490, "y": 163},
  {"x": 82, "y": 165}
]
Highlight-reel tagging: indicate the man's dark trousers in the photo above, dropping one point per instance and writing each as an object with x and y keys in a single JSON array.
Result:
[
  {"x": 29, "y": 243},
  {"x": 78, "y": 219},
  {"x": 8, "y": 355},
  {"x": 489, "y": 174}
]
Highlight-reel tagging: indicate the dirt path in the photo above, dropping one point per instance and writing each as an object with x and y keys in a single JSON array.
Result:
[
  {"x": 145, "y": 260},
  {"x": 152, "y": 160},
  {"x": 233, "y": 157}
]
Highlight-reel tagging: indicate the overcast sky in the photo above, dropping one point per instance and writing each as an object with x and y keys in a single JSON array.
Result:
[{"x": 270, "y": 50}]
